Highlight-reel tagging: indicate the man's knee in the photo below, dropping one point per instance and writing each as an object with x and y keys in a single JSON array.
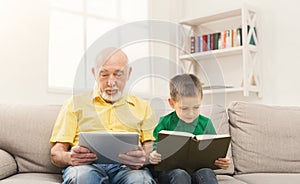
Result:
[
  {"x": 81, "y": 174},
  {"x": 137, "y": 176}
]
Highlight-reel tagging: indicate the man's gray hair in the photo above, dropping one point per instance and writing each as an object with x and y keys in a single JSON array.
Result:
[{"x": 104, "y": 55}]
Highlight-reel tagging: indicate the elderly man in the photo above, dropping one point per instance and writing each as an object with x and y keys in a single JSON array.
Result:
[{"x": 104, "y": 108}]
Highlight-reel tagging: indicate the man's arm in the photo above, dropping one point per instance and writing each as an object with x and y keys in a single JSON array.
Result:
[{"x": 61, "y": 156}]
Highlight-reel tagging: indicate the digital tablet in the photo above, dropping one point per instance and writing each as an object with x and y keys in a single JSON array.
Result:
[{"x": 108, "y": 145}]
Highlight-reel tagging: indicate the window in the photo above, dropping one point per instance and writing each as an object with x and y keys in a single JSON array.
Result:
[{"x": 75, "y": 25}]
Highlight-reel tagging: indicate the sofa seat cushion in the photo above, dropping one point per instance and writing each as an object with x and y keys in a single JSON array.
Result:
[
  {"x": 269, "y": 178},
  {"x": 226, "y": 179},
  {"x": 265, "y": 139},
  {"x": 33, "y": 178},
  {"x": 8, "y": 165}
]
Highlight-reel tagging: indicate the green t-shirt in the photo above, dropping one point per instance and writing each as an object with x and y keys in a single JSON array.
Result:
[{"x": 201, "y": 125}]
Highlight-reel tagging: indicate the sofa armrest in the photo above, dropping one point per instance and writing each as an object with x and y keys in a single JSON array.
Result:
[{"x": 8, "y": 165}]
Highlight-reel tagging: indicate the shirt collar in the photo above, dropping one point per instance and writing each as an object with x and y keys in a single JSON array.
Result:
[{"x": 177, "y": 119}]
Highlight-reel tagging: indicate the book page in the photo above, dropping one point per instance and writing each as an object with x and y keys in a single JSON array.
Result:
[
  {"x": 211, "y": 136},
  {"x": 186, "y": 134}
]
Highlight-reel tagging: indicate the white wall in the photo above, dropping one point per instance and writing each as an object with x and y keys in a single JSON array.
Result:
[
  {"x": 24, "y": 47},
  {"x": 23, "y": 53}
]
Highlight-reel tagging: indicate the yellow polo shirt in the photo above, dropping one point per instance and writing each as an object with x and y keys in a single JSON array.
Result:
[{"x": 89, "y": 112}]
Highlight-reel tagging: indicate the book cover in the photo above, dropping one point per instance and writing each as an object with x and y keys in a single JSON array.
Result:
[{"x": 190, "y": 152}]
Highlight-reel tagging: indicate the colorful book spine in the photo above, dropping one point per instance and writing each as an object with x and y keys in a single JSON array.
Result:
[
  {"x": 216, "y": 40},
  {"x": 204, "y": 43},
  {"x": 239, "y": 36},
  {"x": 220, "y": 40},
  {"x": 208, "y": 42},
  {"x": 199, "y": 43},
  {"x": 228, "y": 39},
  {"x": 212, "y": 42}
]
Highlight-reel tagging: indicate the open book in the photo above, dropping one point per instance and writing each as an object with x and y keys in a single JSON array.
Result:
[
  {"x": 108, "y": 145},
  {"x": 190, "y": 152}
]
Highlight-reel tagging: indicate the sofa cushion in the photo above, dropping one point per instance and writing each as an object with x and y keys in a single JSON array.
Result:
[
  {"x": 25, "y": 133},
  {"x": 269, "y": 178},
  {"x": 8, "y": 165},
  {"x": 265, "y": 138},
  {"x": 225, "y": 179},
  {"x": 33, "y": 178}
]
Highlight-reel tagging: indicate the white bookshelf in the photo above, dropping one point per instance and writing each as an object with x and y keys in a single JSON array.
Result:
[{"x": 246, "y": 56}]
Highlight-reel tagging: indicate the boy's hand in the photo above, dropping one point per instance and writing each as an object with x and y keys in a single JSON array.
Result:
[
  {"x": 223, "y": 163},
  {"x": 154, "y": 157}
]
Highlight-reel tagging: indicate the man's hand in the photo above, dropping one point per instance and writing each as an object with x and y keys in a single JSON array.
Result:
[
  {"x": 61, "y": 156},
  {"x": 81, "y": 156},
  {"x": 223, "y": 163},
  {"x": 134, "y": 159}
]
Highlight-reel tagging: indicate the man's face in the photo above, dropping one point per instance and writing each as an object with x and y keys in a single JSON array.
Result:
[
  {"x": 187, "y": 108},
  {"x": 112, "y": 76}
]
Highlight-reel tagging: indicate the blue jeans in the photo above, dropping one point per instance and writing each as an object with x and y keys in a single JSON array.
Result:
[
  {"x": 180, "y": 176},
  {"x": 105, "y": 174}
]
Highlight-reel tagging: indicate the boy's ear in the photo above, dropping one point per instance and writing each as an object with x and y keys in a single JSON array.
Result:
[{"x": 171, "y": 102}]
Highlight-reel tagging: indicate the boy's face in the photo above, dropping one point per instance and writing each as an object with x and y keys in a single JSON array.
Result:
[{"x": 187, "y": 108}]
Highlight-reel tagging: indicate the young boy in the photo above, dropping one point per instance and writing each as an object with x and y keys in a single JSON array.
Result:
[{"x": 186, "y": 96}]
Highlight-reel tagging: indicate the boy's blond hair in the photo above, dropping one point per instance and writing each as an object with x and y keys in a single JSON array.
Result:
[{"x": 185, "y": 85}]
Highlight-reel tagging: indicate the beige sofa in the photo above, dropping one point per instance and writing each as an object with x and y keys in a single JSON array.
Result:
[
  {"x": 265, "y": 147},
  {"x": 24, "y": 144}
]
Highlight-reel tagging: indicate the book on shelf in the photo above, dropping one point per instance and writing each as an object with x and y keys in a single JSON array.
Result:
[
  {"x": 211, "y": 41},
  {"x": 228, "y": 34},
  {"x": 219, "y": 40},
  {"x": 216, "y": 40},
  {"x": 204, "y": 43},
  {"x": 190, "y": 152}
]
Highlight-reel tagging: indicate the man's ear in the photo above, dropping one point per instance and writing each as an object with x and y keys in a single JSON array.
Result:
[
  {"x": 171, "y": 102},
  {"x": 93, "y": 71}
]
